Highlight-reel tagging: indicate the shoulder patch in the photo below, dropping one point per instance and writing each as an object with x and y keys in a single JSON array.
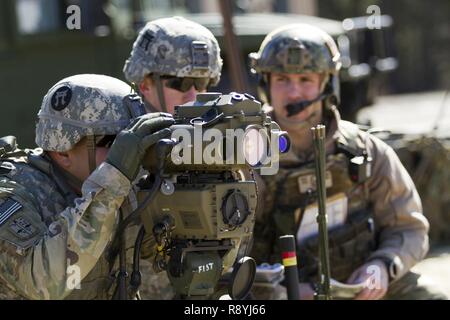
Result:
[
  {"x": 7, "y": 209},
  {"x": 22, "y": 228},
  {"x": 20, "y": 224}
]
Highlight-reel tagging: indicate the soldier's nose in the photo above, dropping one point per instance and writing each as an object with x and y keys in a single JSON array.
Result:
[
  {"x": 294, "y": 94},
  {"x": 190, "y": 95}
]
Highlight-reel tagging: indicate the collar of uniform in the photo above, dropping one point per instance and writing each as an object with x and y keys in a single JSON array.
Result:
[
  {"x": 67, "y": 183},
  {"x": 346, "y": 134},
  {"x": 339, "y": 134},
  {"x": 331, "y": 120}
]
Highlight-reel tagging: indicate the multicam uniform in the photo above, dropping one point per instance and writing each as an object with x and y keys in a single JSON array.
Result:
[
  {"x": 50, "y": 239},
  {"x": 374, "y": 210},
  {"x": 382, "y": 216}
]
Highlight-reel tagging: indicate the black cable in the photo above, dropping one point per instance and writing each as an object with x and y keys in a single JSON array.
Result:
[
  {"x": 134, "y": 216},
  {"x": 121, "y": 289},
  {"x": 135, "y": 280}
]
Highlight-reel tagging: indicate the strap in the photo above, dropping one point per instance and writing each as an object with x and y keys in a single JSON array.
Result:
[
  {"x": 121, "y": 289},
  {"x": 159, "y": 88},
  {"x": 91, "y": 152},
  {"x": 349, "y": 140},
  {"x": 134, "y": 105}
]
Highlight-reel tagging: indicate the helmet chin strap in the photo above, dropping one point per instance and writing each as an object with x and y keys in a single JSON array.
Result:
[
  {"x": 90, "y": 144},
  {"x": 157, "y": 80},
  {"x": 295, "y": 108}
]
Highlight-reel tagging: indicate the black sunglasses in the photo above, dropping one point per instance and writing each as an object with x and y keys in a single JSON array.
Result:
[
  {"x": 104, "y": 141},
  {"x": 185, "y": 84}
]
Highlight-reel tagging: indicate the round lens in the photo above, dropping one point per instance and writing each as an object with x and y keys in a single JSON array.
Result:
[{"x": 284, "y": 143}]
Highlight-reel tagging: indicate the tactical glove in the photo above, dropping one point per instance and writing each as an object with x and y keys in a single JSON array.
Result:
[{"x": 131, "y": 144}]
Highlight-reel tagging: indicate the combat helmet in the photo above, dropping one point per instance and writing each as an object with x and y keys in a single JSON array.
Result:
[
  {"x": 175, "y": 47},
  {"x": 298, "y": 48},
  {"x": 85, "y": 105}
]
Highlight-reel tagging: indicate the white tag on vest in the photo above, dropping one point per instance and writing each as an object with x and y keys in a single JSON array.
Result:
[
  {"x": 308, "y": 182},
  {"x": 336, "y": 216}
]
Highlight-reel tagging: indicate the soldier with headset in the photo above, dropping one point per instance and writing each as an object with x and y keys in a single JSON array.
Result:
[{"x": 374, "y": 211}]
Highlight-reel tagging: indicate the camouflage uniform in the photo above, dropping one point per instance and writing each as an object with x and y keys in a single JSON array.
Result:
[
  {"x": 384, "y": 217},
  {"x": 376, "y": 198},
  {"x": 48, "y": 234},
  {"x": 174, "y": 47}
]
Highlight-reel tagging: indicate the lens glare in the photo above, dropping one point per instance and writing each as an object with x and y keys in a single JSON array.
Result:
[{"x": 253, "y": 146}]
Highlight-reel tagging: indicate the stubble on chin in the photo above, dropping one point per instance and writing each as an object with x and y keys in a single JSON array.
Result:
[
  {"x": 300, "y": 130},
  {"x": 293, "y": 124}
]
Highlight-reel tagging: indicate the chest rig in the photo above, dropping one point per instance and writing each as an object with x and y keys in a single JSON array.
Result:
[{"x": 293, "y": 190}]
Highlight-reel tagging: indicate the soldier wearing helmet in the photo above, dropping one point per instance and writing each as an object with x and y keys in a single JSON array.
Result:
[
  {"x": 171, "y": 61},
  {"x": 375, "y": 215},
  {"x": 59, "y": 203}
]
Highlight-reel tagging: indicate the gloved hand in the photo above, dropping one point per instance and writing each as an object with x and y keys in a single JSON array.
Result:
[
  {"x": 131, "y": 144},
  {"x": 376, "y": 276}
]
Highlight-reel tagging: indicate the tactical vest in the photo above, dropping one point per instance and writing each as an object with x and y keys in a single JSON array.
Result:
[{"x": 293, "y": 190}]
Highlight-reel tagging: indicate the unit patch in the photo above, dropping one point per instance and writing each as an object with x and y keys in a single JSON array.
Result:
[
  {"x": 22, "y": 228},
  {"x": 7, "y": 209}
]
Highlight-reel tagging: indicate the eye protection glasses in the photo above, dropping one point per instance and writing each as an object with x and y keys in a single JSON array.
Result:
[
  {"x": 185, "y": 84},
  {"x": 104, "y": 141}
]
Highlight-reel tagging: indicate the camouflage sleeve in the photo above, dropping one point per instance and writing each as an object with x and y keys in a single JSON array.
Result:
[
  {"x": 401, "y": 227},
  {"x": 47, "y": 267}
]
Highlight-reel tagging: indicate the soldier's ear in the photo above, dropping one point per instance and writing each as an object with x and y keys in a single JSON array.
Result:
[
  {"x": 61, "y": 158},
  {"x": 146, "y": 85}
]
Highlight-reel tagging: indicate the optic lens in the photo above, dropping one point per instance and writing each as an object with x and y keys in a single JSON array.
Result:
[{"x": 284, "y": 143}]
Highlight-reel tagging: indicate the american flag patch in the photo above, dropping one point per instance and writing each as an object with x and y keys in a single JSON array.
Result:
[{"x": 8, "y": 208}]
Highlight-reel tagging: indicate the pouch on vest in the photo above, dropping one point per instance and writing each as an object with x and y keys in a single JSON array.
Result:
[
  {"x": 360, "y": 168},
  {"x": 349, "y": 247},
  {"x": 360, "y": 164}
]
